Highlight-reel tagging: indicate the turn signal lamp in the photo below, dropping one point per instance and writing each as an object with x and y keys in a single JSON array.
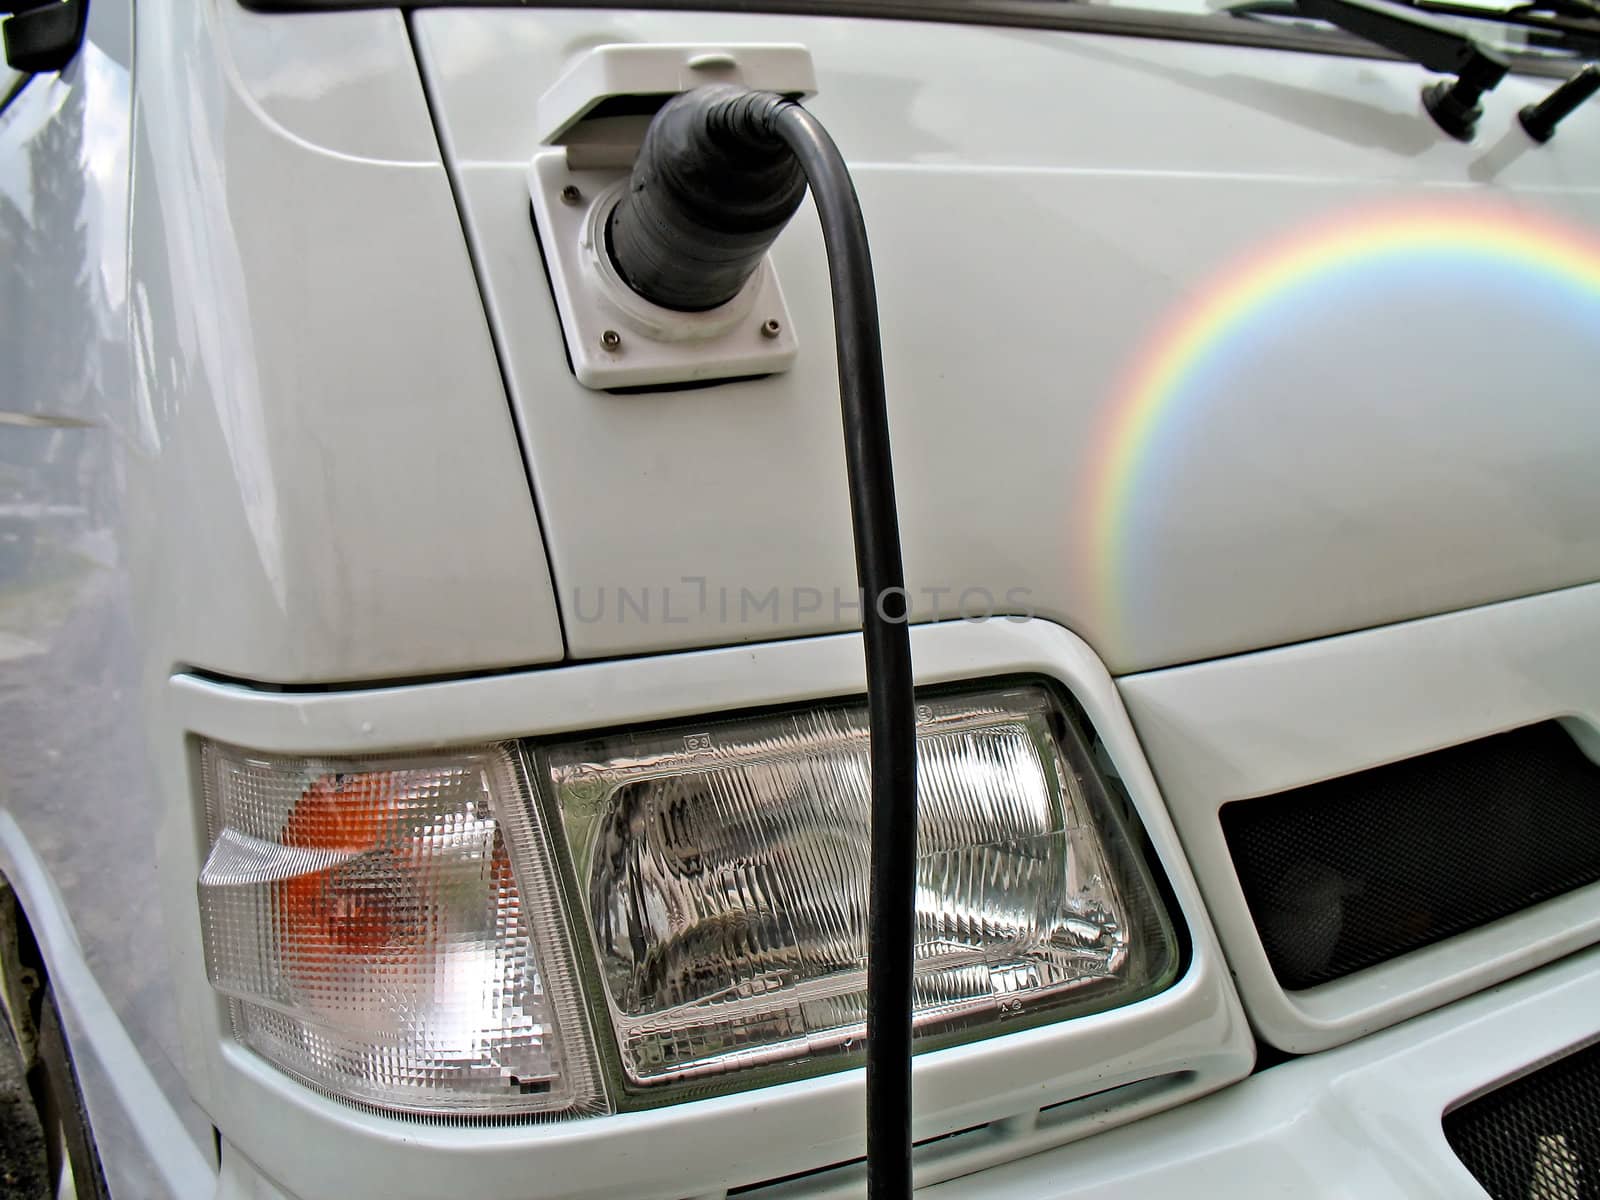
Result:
[
  {"x": 393, "y": 931},
  {"x": 378, "y": 941}
]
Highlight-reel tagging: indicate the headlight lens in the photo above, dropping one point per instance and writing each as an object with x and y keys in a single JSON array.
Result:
[
  {"x": 721, "y": 869},
  {"x": 366, "y": 917}
]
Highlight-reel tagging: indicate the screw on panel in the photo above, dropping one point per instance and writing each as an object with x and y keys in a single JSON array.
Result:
[
  {"x": 570, "y": 194},
  {"x": 771, "y": 328},
  {"x": 611, "y": 340}
]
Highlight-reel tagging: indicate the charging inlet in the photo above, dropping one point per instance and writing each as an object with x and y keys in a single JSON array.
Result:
[{"x": 592, "y": 122}]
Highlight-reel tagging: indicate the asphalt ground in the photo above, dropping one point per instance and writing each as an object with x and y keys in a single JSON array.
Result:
[{"x": 22, "y": 1168}]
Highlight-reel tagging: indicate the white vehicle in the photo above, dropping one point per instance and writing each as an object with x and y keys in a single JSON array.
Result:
[{"x": 432, "y": 749}]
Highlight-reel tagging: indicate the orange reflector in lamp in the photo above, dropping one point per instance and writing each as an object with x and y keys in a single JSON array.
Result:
[{"x": 366, "y": 920}]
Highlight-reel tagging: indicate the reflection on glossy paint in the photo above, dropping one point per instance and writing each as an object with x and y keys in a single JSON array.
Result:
[
  {"x": 1370, "y": 260},
  {"x": 203, "y": 259},
  {"x": 72, "y": 756}
]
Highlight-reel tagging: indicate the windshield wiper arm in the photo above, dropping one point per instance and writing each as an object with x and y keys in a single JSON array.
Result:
[
  {"x": 1563, "y": 24},
  {"x": 1432, "y": 44},
  {"x": 1540, "y": 120},
  {"x": 1583, "y": 29}
]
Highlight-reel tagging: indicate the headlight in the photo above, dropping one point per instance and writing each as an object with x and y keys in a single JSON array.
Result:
[
  {"x": 392, "y": 930},
  {"x": 721, "y": 870}
]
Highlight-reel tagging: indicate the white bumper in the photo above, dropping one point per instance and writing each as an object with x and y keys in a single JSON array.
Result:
[{"x": 1362, "y": 1120}]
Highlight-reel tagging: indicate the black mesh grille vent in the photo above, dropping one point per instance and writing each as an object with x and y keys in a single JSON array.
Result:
[
  {"x": 1353, "y": 871},
  {"x": 1537, "y": 1138}
]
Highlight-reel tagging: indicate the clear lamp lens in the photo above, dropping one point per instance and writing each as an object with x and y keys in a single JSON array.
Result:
[
  {"x": 722, "y": 870},
  {"x": 367, "y": 920}
]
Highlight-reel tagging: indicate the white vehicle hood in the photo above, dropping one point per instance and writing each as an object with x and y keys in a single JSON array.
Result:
[{"x": 1191, "y": 348}]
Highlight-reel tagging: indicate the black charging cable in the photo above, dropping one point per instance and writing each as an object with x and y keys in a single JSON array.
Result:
[{"x": 720, "y": 172}]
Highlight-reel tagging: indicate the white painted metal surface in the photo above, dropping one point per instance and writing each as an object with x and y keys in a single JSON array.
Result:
[
  {"x": 78, "y": 836},
  {"x": 316, "y": 391},
  {"x": 139, "y": 1131},
  {"x": 202, "y": 463},
  {"x": 1044, "y": 210},
  {"x": 1263, "y": 723},
  {"x": 1362, "y": 1120},
  {"x": 253, "y": 426}
]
